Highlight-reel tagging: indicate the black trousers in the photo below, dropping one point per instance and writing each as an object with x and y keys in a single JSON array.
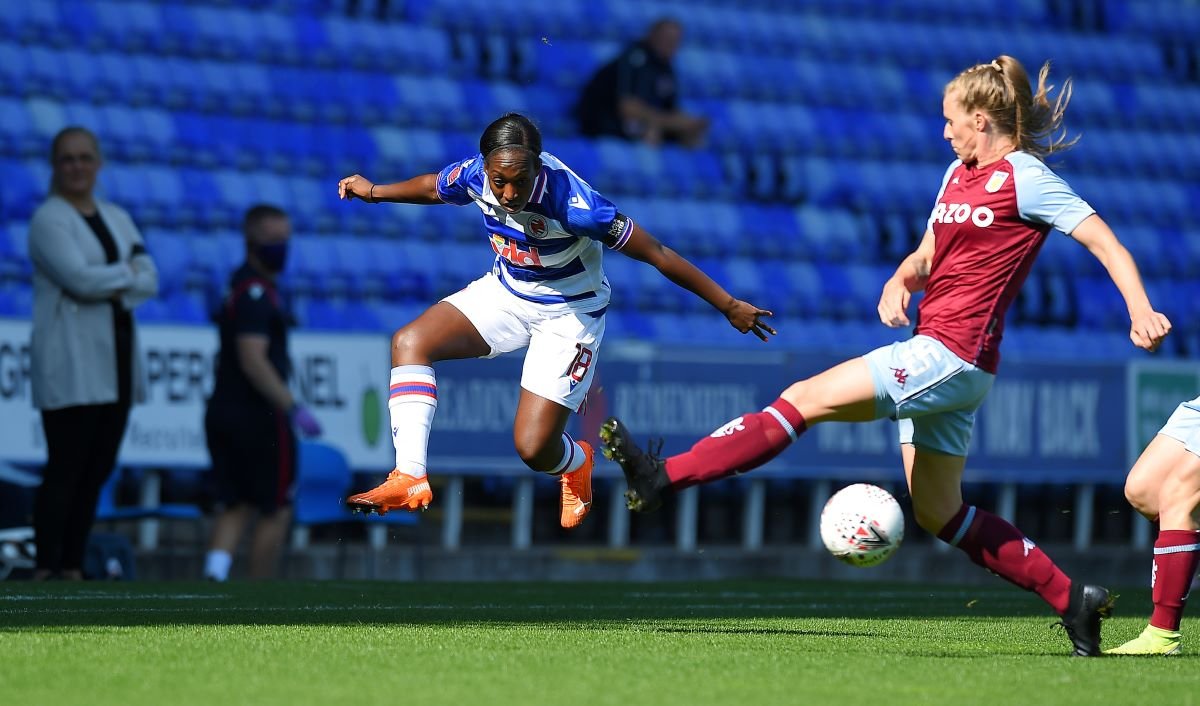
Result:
[{"x": 82, "y": 444}]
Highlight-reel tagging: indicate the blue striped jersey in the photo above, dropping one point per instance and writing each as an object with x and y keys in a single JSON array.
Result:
[{"x": 550, "y": 252}]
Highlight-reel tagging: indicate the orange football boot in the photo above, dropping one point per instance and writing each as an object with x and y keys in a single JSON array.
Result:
[
  {"x": 399, "y": 492},
  {"x": 575, "y": 500}
]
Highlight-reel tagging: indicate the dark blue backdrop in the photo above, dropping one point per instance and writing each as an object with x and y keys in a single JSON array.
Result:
[{"x": 1047, "y": 422}]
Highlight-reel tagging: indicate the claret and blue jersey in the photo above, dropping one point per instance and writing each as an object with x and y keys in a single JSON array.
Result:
[
  {"x": 550, "y": 252},
  {"x": 988, "y": 225}
]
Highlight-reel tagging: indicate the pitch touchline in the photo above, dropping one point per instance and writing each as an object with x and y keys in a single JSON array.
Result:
[
  {"x": 522, "y": 607},
  {"x": 112, "y": 596}
]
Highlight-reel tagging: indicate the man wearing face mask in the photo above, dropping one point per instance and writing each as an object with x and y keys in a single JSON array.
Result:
[{"x": 252, "y": 414}]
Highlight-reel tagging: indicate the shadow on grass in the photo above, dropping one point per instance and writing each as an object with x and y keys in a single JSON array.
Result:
[
  {"x": 763, "y": 631},
  {"x": 684, "y": 607}
]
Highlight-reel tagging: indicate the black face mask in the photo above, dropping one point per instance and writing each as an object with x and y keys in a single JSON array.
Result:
[{"x": 272, "y": 256}]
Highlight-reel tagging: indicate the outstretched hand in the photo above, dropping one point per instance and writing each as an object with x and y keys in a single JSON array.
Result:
[
  {"x": 893, "y": 304},
  {"x": 355, "y": 186},
  {"x": 747, "y": 318},
  {"x": 1148, "y": 329}
]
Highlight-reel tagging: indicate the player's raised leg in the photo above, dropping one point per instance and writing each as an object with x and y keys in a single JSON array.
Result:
[
  {"x": 442, "y": 332},
  {"x": 1165, "y": 482},
  {"x": 935, "y": 484},
  {"x": 544, "y": 445},
  {"x": 559, "y": 367},
  {"x": 845, "y": 392}
]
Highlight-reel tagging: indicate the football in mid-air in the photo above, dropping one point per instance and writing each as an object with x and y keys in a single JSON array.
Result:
[{"x": 862, "y": 524}]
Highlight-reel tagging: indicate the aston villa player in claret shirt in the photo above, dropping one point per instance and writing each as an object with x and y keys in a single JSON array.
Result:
[{"x": 995, "y": 207}]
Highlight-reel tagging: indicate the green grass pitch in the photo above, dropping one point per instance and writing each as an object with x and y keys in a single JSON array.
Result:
[{"x": 566, "y": 644}]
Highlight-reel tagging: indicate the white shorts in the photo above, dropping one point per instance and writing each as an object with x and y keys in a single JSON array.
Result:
[
  {"x": 1184, "y": 426},
  {"x": 930, "y": 391},
  {"x": 563, "y": 345}
]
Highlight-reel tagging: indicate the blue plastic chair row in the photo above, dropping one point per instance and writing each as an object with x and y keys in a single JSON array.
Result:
[
  {"x": 816, "y": 307},
  {"x": 230, "y": 33},
  {"x": 780, "y": 116},
  {"x": 323, "y": 481},
  {"x": 233, "y": 33},
  {"x": 1176, "y": 21},
  {"x": 1160, "y": 203},
  {"x": 165, "y": 196},
  {"x": 775, "y": 32}
]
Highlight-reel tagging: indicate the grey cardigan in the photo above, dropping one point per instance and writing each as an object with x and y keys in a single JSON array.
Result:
[{"x": 72, "y": 351}]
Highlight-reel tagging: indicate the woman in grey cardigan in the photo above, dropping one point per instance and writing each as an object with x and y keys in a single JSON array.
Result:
[{"x": 90, "y": 270}]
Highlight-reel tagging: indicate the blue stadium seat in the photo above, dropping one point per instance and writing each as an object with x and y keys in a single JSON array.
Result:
[
  {"x": 154, "y": 311},
  {"x": 839, "y": 291},
  {"x": 812, "y": 335},
  {"x": 806, "y": 286},
  {"x": 1108, "y": 345},
  {"x": 18, "y": 192},
  {"x": 15, "y": 265},
  {"x": 130, "y": 26},
  {"x": 160, "y": 194},
  {"x": 1061, "y": 253},
  {"x": 1143, "y": 244},
  {"x": 1030, "y": 303},
  {"x": 425, "y": 50},
  {"x": 771, "y": 231},
  {"x": 158, "y": 131},
  {"x": 562, "y": 64},
  {"x": 863, "y": 335},
  {"x": 866, "y": 283},
  {"x": 14, "y": 239},
  {"x": 17, "y": 300},
  {"x": 323, "y": 479},
  {"x": 47, "y": 73},
  {"x": 308, "y": 199},
  {"x": 215, "y": 256},
  {"x": 172, "y": 256},
  {"x": 393, "y": 315},
  {"x": 1099, "y": 303},
  {"x": 236, "y": 190},
  {"x": 14, "y": 68},
  {"x": 1097, "y": 103},
  {"x": 834, "y": 234},
  {"x": 42, "y": 21},
  {"x": 1060, "y": 303},
  {"x": 17, "y": 136},
  {"x": 358, "y": 43},
  {"x": 323, "y": 482},
  {"x": 433, "y": 102},
  {"x": 84, "y": 78},
  {"x": 343, "y": 315},
  {"x": 410, "y": 150},
  {"x": 623, "y": 275},
  {"x": 189, "y": 307},
  {"x": 745, "y": 281},
  {"x": 202, "y": 206},
  {"x": 313, "y": 264}
]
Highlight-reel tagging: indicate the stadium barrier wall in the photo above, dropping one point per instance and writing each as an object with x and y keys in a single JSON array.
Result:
[{"x": 1079, "y": 423}]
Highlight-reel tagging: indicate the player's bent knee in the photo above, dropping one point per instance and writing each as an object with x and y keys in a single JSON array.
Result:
[
  {"x": 1141, "y": 497},
  {"x": 539, "y": 455},
  {"x": 407, "y": 344},
  {"x": 798, "y": 393},
  {"x": 933, "y": 519},
  {"x": 930, "y": 522}
]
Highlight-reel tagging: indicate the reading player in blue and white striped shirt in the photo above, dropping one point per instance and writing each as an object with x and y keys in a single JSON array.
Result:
[{"x": 546, "y": 291}]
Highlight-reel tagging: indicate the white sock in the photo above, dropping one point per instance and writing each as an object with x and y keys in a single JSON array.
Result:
[
  {"x": 573, "y": 457},
  {"x": 412, "y": 400},
  {"x": 216, "y": 565}
]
